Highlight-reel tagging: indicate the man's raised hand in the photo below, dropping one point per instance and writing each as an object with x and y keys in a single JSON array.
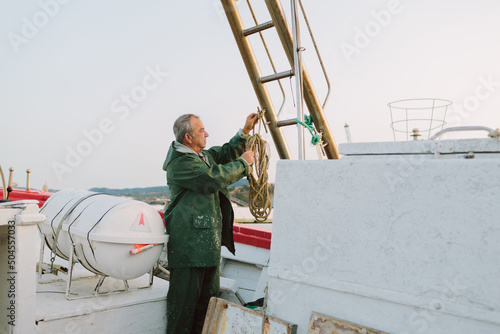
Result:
[{"x": 252, "y": 119}]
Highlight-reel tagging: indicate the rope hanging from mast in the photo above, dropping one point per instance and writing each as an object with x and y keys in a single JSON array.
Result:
[{"x": 258, "y": 200}]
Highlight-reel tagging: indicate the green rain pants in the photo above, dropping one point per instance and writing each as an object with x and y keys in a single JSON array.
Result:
[{"x": 188, "y": 296}]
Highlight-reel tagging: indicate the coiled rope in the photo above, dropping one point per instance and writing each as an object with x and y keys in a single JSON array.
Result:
[{"x": 258, "y": 199}]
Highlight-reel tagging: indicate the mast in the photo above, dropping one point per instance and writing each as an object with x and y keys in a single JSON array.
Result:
[{"x": 297, "y": 64}]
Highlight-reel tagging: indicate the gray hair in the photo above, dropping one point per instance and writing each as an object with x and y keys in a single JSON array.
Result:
[{"x": 182, "y": 126}]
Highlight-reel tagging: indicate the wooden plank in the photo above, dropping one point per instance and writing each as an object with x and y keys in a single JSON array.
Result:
[
  {"x": 224, "y": 317},
  {"x": 324, "y": 324}
]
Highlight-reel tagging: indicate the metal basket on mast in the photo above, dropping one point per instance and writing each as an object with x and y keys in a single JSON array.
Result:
[{"x": 412, "y": 118}]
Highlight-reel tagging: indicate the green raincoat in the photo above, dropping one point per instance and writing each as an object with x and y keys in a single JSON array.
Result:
[{"x": 199, "y": 218}]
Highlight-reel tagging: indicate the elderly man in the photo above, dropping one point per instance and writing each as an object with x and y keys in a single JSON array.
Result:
[{"x": 200, "y": 217}]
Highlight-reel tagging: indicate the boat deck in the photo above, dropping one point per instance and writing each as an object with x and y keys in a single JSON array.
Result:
[{"x": 106, "y": 313}]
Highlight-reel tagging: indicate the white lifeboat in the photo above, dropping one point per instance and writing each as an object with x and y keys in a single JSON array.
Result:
[{"x": 107, "y": 232}]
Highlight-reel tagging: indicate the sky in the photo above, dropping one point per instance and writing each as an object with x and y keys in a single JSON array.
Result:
[{"x": 89, "y": 90}]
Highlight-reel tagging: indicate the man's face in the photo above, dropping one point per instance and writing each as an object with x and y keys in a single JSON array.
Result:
[{"x": 199, "y": 140}]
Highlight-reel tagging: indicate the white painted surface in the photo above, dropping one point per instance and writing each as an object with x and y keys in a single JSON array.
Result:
[
  {"x": 17, "y": 265},
  {"x": 247, "y": 253},
  {"x": 403, "y": 248},
  {"x": 229, "y": 285},
  {"x": 456, "y": 146},
  {"x": 249, "y": 268},
  {"x": 137, "y": 311}
]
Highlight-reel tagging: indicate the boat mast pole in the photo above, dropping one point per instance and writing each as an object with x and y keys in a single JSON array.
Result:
[{"x": 297, "y": 49}]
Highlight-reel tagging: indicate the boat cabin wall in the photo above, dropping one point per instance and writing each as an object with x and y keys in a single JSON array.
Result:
[{"x": 397, "y": 247}]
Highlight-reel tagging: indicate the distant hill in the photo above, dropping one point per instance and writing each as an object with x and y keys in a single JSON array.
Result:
[
  {"x": 242, "y": 182},
  {"x": 154, "y": 195},
  {"x": 148, "y": 190},
  {"x": 242, "y": 193},
  {"x": 151, "y": 195}
]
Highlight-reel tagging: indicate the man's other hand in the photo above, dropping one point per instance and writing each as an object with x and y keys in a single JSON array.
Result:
[
  {"x": 249, "y": 157},
  {"x": 252, "y": 119}
]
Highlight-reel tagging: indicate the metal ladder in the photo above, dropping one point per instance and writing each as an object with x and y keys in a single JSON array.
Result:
[{"x": 279, "y": 22}]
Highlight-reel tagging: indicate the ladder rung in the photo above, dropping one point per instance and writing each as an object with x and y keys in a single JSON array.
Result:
[
  {"x": 276, "y": 76},
  {"x": 286, "y": 122},
  {"x": 258, "y": 28}
]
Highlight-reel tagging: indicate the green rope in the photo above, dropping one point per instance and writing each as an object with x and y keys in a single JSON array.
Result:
[{"x": 308, "y": 124}]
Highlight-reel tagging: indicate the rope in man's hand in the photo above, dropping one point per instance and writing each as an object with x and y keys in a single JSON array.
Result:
[{"x": 259, "y": 201}]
